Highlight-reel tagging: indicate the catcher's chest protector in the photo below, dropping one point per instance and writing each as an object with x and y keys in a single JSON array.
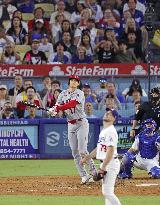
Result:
[{"x": 147, "y": 147}]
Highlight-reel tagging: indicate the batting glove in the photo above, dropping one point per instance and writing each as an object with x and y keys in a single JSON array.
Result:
[{"x": 53, "y": 111}]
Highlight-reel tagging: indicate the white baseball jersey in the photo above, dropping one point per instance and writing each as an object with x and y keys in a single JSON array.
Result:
[
  {"x": 78, "y": 95},
  {"x": 108, "y": 137}
]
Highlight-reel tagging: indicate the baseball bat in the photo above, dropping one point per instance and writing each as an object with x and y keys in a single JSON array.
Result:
[{"x": 33, "y": 105}]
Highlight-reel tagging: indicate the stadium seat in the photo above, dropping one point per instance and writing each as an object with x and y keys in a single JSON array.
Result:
[
  {"x": 5, "y": 23},
  {"x": 21, "y": 55},
  {"x": 48, "y": 9},
  {"x": 27, "y": 16},
  {"x": 22, "y": 49}
]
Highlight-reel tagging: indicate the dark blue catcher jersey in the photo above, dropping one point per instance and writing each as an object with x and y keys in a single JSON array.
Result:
[{"x": 147, "y": 146}]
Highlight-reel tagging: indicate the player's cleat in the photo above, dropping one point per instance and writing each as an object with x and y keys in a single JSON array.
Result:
[
  {"x": 123, "y": 175},
  {"x": 87, "y": 179},
  {"x": 91, "y": 180}
]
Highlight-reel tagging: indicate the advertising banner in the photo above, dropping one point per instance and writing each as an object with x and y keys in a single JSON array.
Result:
[
  {"x": 48, "y": 138},
  {"x": 18, "y": 139},
  {"x": 124, "y": 140},
  {"x": 123, "y": 127},
  {"x": 55, "y": 142},
  {"x": 84, "y": 70}
]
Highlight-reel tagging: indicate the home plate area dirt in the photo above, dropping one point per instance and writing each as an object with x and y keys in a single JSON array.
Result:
[{"x": 70, "y": 186}]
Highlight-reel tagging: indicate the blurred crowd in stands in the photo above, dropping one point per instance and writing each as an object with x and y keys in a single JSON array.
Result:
[
  {"x": 72, "y": 31},
  {"x": 97, "y": 100}
]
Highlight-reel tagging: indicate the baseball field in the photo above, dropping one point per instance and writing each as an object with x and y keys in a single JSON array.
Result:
[{"x": 54, "y": 182}]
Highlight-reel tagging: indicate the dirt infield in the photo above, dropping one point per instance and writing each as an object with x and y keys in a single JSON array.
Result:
[{"x": 70, "y": 186}]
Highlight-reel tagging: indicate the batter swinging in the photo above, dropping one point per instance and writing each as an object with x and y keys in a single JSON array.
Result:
[{"x": 71, "y": 101}]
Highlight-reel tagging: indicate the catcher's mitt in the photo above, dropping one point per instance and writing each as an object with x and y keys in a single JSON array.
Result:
[{"x": 99, "y": 175}]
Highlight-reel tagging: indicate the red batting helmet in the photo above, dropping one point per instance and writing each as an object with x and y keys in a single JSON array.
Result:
[{"x": 74, "y": 77}]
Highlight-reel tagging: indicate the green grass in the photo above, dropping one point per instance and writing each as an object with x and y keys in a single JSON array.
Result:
[
  {"x": 13, "y": 200},
  {"x": 57, "y": 167},
  {"x": 37, "y": 167},
  {"x": 75, "y": 200},
  {"x": 139, "y": 200}
]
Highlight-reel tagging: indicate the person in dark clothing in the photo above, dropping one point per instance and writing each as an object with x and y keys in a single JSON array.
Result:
[
  {"x": 18, "y": 33},
  {"x": 67, "y": 40},
  {"x": 147, "y": 110},
  {"x": 135, "y": 86},
  {"x": 34, "y": 56},
  {"x": 134, "y": 46},
  {"x": 6, "y": 10},
  {"x": 123, "y": 55},
  {"x": 105, "y": 52}
]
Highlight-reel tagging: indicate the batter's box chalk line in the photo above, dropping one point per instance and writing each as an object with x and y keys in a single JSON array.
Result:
[{"x": 146, "y": 185}]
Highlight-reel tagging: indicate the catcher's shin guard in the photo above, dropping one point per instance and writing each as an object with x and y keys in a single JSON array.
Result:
[
  {"x": 126, "y": 166},
  {"x": 155, "y": 172}
]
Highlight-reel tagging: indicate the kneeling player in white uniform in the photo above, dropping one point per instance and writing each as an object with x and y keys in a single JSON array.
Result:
[
  {"x": 106, "y": 151},
  {"x": 144, "y": 153}
]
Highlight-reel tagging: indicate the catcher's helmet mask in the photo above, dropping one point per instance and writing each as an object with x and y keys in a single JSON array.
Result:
[{"x": 149, "y": 126}]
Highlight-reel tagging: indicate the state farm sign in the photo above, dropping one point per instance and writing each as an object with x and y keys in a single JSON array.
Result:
[
  {"x": 155, "y": 69},
  {"x": 12, "y": 71},
  {"x": 78, "y": 69},
  {"x": 91, "y": 71}
]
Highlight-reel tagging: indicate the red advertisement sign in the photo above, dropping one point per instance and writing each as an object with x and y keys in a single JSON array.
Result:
[{"x": 86, "y": 70}]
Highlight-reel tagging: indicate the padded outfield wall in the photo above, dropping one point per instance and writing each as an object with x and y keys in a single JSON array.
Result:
[{"x": 47, "y": 138}]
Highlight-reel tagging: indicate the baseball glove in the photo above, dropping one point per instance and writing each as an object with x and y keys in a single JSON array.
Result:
[{"x": 99, "y": 175}]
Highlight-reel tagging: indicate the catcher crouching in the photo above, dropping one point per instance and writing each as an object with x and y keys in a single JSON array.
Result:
[{"x": 144, "y": 153}]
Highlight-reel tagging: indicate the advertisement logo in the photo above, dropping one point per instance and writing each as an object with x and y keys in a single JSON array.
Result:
[
  {"x": 53, "y": 139},
  {"x": 138, "y": 70},
  {"x": 56, "y": 71}
]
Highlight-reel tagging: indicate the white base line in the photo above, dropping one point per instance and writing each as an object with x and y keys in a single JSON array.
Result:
[{"x": 143, "y": 185}]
